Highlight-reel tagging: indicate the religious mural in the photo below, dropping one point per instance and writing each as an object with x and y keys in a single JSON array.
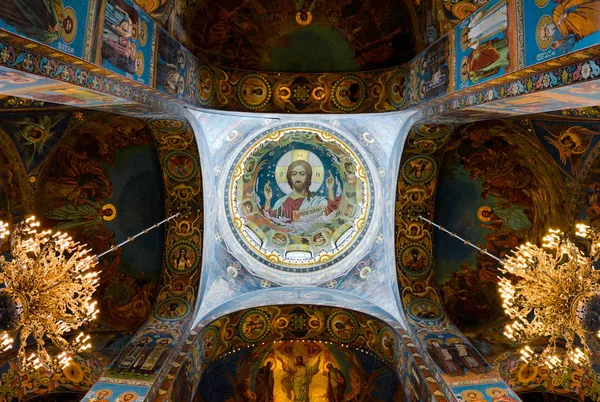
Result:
[
  {"x": 430, "y": 76},
  {"x": 126, "y": 40},
  {"x": 82, "y": 190},
  {"x": 555, "y": 28},
  {"x": 175, "y": 67},
  {"x": 299, "y": 199},
  {"x": 61, "y": 24},
  {"x": 522, "y": 377},
  {"x": 482, "y": 45},
  {"x": 303, "y": 35},
  {"x": 506, "y": 187},
  {"x": 299, "y": 371}
]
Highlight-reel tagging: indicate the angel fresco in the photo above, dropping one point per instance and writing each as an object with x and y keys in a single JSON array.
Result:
[
  {"x": 572, "y": 143},
  {"x": 41, "y": 20}
]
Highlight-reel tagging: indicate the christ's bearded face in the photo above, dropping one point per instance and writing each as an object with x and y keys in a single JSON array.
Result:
[{"x": 298, "y": 177}]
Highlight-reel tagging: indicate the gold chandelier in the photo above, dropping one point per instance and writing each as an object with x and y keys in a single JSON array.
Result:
[
  {"x": 556, "y": 296},
  {"x": 551, "y": 292},
  {"x": 48, "y": 291}
]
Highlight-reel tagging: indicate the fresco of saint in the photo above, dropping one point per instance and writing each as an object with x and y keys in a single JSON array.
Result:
[{"x": 572, "y": 20}]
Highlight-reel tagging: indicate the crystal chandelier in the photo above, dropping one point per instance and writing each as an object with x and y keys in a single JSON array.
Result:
[
  {"x": 556, "y": 295},
  {"x": 48, "y": 291},
  {"x": 551, "y": 292}
]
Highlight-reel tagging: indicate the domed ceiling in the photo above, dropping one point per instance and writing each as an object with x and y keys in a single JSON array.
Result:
[
  {"x": 299, "y": 209},
  {"x": 294, "y": 35}
]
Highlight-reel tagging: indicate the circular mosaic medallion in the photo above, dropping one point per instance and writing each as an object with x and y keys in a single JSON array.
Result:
[
  {"x": 210, "y": 344},
  {"x": 349, "y": 93},
  {"x": 254, "y": 326},
  {"x": 396, "y": 89},
  {"x": 143, "y": 33},
  {"x": 419, "y": 169},
  {"x": 387, "y": 344},
  {"x": 69, "y": 25},
  {"x": 423, "y": 310},
  {"x": 299, "y": 198},
  {"x": 415, "y": 260},
  {"x": 343, "y": 326},
  {"x": 253, "y": 91},
  {"x": 180, "y": 165},
  {"x": 542, "y": 33},
  {"x": 206, "y": 85},
  {"x": 172, "y": 309},
  {"x": 183, "y": 258},
  {"x": 168, "y": 125},
  {"x": 139, "y": 63},
  {"x": 433, "y": 131}
]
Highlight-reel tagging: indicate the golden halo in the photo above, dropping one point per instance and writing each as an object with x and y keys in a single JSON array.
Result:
[
  {"x": 543, "y": 43},
  {"x": 478, "y": 395},
  {"x": 318, "y": 172},
  {"x": 134, "y": 32},
  {"x": 139, "y": 63},
  {"x": 490, "y": 390},
  {"x": 73, "y": 372},
  {"x": 480, "y": 213},
  {"x": 69, "y": 14},
  {"x": 122, "y": 396},
  {"x": 113, "y": 215},
  {"x": 143, "y": 33},
  {"x": 108, "y": 391},
  {"x": 307, "y": 21}
]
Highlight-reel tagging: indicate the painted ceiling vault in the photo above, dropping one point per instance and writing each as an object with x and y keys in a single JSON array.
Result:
[{"x": 301, "y": 206}]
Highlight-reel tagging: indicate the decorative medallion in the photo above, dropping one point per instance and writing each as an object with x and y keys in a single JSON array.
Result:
[
  {"x": 139, "y": 63},
  {"x": 172, "y": 309},
  {"x": 69, "y": 25},
  {"x": 349, "y": 93},
  {"x": 543, "y": 38},
  {"x": 143, "y": 33},
  {"x": 415, "y": 260},
  {"x": 254, "y": 326},
  {"x": 210, "y": 343},
  {"x": 423, "y": 310},
  {"x": 419, "y": 169},
  {"x": 396, "y": 89},
  {"x": 206, "y": 85},
  {"x": 168, "y": 125},
  {"x": 387, "y": 344},
  {"x": 183, "y": 258},
  {"x": 180, "y": 165},
  {"x": 343, "y": 326},
  {"x": 433, "y": 131},
  {"x": 299, "y": 198},
  {"x": 253, "y": 91}
]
